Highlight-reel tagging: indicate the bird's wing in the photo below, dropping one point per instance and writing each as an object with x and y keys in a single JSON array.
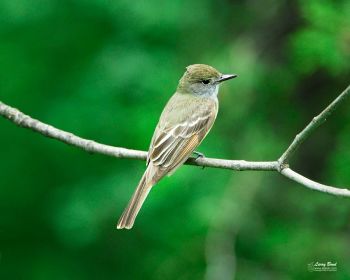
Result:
[{"x": 173, "y": 142}]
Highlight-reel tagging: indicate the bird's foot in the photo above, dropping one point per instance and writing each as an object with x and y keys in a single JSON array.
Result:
[{"x": 198, "y": 154}]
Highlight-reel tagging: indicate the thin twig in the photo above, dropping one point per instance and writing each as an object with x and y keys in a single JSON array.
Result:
[
  {"x": 281, "y": 165},
  {"x": 289, "y": 173},
  {"x": 311, "y": 127}
]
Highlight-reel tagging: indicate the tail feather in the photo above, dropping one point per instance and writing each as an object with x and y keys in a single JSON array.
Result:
[{"x": 128, "y": 217}]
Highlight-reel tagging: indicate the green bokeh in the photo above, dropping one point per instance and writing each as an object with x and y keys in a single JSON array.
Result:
[{"x": 104, "y": 70}]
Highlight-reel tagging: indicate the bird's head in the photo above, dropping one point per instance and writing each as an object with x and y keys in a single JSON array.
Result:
[{"x": 202, "y": 80}]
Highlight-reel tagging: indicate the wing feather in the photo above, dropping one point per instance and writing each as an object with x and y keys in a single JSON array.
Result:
[{"x": 172, "y": 144}]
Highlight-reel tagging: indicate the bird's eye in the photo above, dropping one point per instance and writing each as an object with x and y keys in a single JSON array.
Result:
[{"x": 205, "y": 82}]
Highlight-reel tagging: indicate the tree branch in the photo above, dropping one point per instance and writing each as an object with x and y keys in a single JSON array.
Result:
[
  {"x": 280, "y": 165},
  {"x": 311, "y": 127},
  {"x": 289, "y": 173},
  {"x": 91, "y": 146}
]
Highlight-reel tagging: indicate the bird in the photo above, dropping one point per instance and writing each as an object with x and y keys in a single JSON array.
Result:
[{"x": 185, "y": 121}]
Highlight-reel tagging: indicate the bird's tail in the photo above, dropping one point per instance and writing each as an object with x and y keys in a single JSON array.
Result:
[{"x": 128, "y": 217}]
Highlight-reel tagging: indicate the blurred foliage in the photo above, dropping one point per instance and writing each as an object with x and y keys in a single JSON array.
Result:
[{"x": 104, "y": 70}]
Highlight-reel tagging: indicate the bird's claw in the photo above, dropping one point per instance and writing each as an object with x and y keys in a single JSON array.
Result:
[{"x": 198, "y": 154}]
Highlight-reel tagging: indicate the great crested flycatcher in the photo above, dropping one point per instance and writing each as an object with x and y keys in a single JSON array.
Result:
[{"x": 185, "y": 121}]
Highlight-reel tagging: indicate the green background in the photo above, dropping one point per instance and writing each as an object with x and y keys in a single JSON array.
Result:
[{"x": 103, "y": 70}]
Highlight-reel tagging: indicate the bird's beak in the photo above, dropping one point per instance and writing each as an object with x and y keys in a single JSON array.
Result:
[{"x": 226, "y": 77}]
